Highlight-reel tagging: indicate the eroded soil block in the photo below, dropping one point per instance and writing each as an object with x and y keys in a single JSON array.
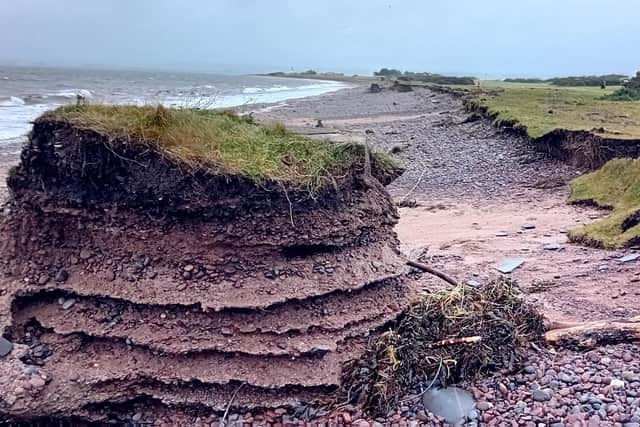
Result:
[{"x": 134, "y": 270}]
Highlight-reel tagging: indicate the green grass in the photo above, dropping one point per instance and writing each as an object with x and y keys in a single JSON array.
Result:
[
  {"x": 615, "y": 186},
  {"x": 542, "y": 108},
  {"x": 221, "y": 142}
]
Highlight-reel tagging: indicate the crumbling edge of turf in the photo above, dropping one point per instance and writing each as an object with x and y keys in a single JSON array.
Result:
[{"x": 581, "y": 148}]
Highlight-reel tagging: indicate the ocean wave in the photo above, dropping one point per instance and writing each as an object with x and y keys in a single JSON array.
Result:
[
  {"x": 277, "y": 88},
  {"x": 13, "y": 101},
  {"x": 69, "y": 94}
]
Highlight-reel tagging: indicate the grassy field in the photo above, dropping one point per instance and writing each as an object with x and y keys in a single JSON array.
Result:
[
  {"x": 616, "y": 186},
  {"x": 221, "y": 142},
  {"x": 542, "y": 108}
]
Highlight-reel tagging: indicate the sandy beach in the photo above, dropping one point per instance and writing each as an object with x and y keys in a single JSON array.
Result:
[{"x": 472, "y": 196}]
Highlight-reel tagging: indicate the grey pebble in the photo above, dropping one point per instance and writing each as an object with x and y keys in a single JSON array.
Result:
[
  {"x": 62, "y": 275},
  {"x": 68, "y": 303},
  {"x": 540, "y": 395},
  {"x": 5, "y": 346}
]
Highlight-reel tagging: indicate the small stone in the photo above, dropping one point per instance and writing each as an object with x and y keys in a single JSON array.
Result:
[
  {"x": 484, "y": 406},
  {"x": 627, "y": 357},
  {"x": 540, "y": 395},
  {"x": 37, "y": 382},
  {"x": 189, "y": 268},
  {"x": 616, "y": 383},
  {"x": 507, "y": 265},
  {"x": 85, "y": 254},
  {"x": 136, "y": 417},
  {"x": 110, "y": 276},
  {"x": 473, "y": 283},
  {"x": 502, "y": 234},
  {"x": 629, "y": 258},
  {"x": 605, "y": 360},
  {"x": 62, "y": 276},
  {"x": 528, "y": 226},
  {"x": 43, "y": 280},
  {"x": 552, "y": 247},
  {"x": 68, "y": 303},
  {"x": 30, "y": 369},
  {"x": 5, "y": 346},
  {"x": 530, "y": 370}
]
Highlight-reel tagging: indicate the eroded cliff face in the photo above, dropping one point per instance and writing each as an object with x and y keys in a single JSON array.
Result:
[{"x": 126, "y": 278}]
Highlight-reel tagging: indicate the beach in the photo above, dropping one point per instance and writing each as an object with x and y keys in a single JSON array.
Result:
[
  {"x": 475, "y": 196},
  {"x": 472, "y": 196}
]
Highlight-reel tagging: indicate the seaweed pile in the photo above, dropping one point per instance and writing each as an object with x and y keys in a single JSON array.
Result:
[
  {"x": 447, "y": 336},
  {"x": 129, "y": 278}
]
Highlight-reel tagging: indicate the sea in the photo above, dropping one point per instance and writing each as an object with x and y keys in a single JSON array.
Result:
[{"x": 25, "y": 93}]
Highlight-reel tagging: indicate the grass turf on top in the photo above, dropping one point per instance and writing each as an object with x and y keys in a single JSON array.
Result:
[
  {"x": 616, "y": 186},
  {"x": 542, "y": 108},
  {"x": 220, "y": 141}
]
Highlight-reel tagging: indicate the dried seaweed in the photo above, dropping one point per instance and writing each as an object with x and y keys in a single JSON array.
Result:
[{"x": 406, "y": 355}]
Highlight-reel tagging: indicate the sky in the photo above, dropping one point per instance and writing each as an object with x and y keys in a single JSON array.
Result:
[{"x": 489, "y": 38}]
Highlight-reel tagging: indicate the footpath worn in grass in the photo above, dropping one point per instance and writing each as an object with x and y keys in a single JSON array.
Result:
[
  {"x": 221, "y": 142},
  {"x": 542, "y": 108},
  {"x": 615, "y": 186}
]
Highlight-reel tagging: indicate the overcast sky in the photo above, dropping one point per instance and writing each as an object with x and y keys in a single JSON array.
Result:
[{"x": 485, "y": 38}]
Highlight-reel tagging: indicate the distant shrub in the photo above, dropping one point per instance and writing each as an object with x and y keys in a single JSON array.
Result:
[
  {"x": 424, "y": 77},
  {"x": 437, "y": 78},
  {"x": 518, "y": 80},
  {"x": 388, "y": 72},
  {"x": 312, "y": 72},
  {"x": 624, "y": 94},
  {"x": 595, "y": 81},
  {"x": 630, "y": 92}
]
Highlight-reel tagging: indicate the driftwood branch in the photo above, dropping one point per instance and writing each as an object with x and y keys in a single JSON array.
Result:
[
  {"x": 592, "y": 334},
  {"x": 427, "y": 269},
  {"x": 456, "y": 341}
]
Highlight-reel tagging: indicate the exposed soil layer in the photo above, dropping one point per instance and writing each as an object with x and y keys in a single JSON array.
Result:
[
  {"x": 290, "y": 328},
  {"x": 84, "y": 168},
  {"x": 583, "y": 149},
  {"x": 126, "y": 276}
]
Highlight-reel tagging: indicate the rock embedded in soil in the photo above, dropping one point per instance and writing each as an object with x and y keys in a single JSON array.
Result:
[
  {"x": 196, "y": 284},
  {"x": 5, "y": 346},
  {"x": 629, "y": 258},
  {"x": 507, "y": 265}
]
